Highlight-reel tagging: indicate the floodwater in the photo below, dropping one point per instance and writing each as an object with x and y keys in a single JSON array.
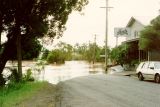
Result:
[{"x": 56, "y": 73}]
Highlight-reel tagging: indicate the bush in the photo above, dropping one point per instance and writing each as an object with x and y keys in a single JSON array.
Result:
[
  {"x": 56, "y": 56},
  {"x": 14, "y": 77},
  {"x": 134, "y": 62},
  {"x": 45, "y": 54},
  {"x": 118, "y": 54},
  {"x": 28, "y": 76}
]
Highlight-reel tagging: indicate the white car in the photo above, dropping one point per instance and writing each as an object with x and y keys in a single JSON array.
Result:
[{"x": 149, "y": 69}]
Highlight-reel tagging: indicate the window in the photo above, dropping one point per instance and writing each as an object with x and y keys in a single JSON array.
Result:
[
  {"x": 142, "y": 65},
  {"x": 151, "y": 65},
  {"x": 135, "y": 34},
  {"x": 145, "y": 65},
  {"x": 157, "y": 65}
]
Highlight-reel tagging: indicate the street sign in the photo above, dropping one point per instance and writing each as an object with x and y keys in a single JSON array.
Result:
[
  {"x": 121, "y": 32},
  {"x": 102, "y": 56}
]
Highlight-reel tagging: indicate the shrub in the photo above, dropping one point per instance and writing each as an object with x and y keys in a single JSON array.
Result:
[
  {"x": 14, "y": 77},
  {"x": 28, "y": 76},
  {"x": 45, "y": 54},
  {"x": 56, "y": 56}
]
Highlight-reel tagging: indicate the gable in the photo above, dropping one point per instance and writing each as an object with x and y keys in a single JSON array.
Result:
[
  {"x": 132, "y": 21},
  {"x": 135, "y": 28}
]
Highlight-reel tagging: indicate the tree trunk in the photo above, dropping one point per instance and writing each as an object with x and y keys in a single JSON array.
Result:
[
  {"x": 19, "y": 55},
  {"x": 2, "y": 63},
  {"x": 0, "y": 27},
  {"x": 2, "y": 81},
  {"x": 7, "y": 54},
  {"x": 0, "y": 31}
]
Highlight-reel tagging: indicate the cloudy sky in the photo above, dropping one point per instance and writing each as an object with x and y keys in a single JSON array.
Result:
[{"x": 82, "y": 28}]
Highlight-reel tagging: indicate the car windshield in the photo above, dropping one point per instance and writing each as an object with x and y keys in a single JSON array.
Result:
[{"x": 157, "y": 65}]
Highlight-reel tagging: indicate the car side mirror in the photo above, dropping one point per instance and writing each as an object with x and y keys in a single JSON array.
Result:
[{"x": 151, "y": 67}]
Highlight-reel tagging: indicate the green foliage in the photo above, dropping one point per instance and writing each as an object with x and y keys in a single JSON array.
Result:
[
  {"x": 65, "y": 52},
  {"x": 56, "y": 56},
  {"x": 13, "y": 94},
  {"x": 31, "y": 49},
  {"x": 150, "y": 36},
  {"x": 117, "y": 54},
  {"x": 28, "y": 76},
  {"x": 31, "y": 16},
  {"x": 101, "y": 51},
  {"x": 31, "y": 20},
  {"x": 79, "y": 51},
  {"x": 2, "y": 80},
  {"x": 62, "y": 53},
  {"x": 135, "y": 62},
  {"x": 14, "y": 77},
  {"x": 45, "y": 54},
  {"x": 40, "y": 66},
  {"x": 66, "y": 49},
  {"x": 89, "y": 52}
]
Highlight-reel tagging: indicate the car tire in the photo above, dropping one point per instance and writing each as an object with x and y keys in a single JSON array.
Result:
[
  {"x": 140, "y": 76},
  {"x": 157, "y": 78}
]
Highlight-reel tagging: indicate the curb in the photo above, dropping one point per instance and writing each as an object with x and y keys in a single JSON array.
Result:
[{"x": 126, "y": 73}]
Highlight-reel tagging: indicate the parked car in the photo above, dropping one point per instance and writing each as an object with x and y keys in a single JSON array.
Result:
[{"x": 149, "y": 69}]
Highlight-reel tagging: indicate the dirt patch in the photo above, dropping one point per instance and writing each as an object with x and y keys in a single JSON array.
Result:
[{"x": 45, "y": 97}]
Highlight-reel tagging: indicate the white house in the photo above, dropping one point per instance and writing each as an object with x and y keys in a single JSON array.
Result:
[
  {"x": 136, "y": 27},
  {"x": 132, "y": 40}
]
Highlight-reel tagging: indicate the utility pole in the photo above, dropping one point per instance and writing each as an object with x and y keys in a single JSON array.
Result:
[
  {"x": 106, "y": 36},
  {"x": 94, "y": 48},
  {"x": 106, "y": 39}
]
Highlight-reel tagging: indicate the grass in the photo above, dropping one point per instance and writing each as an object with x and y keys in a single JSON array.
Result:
[{"x": 16, "y": 93}]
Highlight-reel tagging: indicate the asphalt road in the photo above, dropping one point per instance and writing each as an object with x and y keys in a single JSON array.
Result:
[{"x": 109, "y": 91}]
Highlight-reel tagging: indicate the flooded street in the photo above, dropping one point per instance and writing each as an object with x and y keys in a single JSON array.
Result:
[
  {"x": 55, "y": 73},
  {"x": 71, "y": 69}
]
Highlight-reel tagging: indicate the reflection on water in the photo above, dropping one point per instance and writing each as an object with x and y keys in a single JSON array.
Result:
[{"x": 69, "y": 70}]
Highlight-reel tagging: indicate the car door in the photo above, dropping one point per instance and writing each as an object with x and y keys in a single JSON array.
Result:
[
  {"x": 144, "y": 69},
  {"x": 157, "y": 67},
  {"x": 151, "y": 70}
]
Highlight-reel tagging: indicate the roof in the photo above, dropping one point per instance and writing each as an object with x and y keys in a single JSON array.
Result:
[
  {"x": 131, "y": 40},
  {"x": 144, "y": 20},
  {"x": 131, "y": 21}
]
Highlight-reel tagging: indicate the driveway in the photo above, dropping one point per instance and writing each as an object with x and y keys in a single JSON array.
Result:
[{"x": 108, "y": 91}]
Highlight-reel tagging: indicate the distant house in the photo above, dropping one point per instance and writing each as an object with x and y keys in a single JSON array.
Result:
[
  {"x": 135, "y": 27},
  {"x": 133, "y": 40}
]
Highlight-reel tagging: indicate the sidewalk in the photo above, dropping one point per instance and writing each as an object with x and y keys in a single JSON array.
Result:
[{"x": 126, "y": 73}]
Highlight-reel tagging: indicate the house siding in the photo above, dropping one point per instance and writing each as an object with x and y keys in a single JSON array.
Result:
[
  {"x": 135, "y": 28},
  {"x": 134, "y": 53}
]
